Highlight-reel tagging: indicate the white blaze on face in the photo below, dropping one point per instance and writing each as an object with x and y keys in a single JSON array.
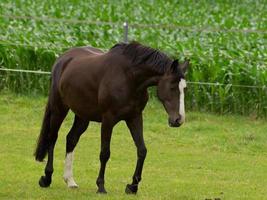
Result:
[
  {"x": 182, "y": 85},
  {"x": 68, "y": 174}
]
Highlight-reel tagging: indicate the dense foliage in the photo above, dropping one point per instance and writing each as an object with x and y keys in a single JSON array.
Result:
[{"x": 225, "y": 40}]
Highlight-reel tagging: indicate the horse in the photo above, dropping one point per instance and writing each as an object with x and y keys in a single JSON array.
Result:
[{"x": 108, "y": 87}]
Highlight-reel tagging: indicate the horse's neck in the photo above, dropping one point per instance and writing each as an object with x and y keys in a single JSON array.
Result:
[{"x": 145, "y": 78}]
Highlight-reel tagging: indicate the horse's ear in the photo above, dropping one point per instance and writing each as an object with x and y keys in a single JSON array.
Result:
[
  {"x": 184, "y": 66},
  {"x": 174, "y": 66}
]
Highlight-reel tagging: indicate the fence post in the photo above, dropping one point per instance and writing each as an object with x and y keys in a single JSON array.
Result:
[{"x": 125, "y": 26}]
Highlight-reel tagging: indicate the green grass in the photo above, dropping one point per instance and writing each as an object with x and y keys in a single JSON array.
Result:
[{"x": 209, "y": 157}]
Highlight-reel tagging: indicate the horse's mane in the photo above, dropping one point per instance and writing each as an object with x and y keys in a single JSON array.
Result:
[{"x": 140, "y": 54}]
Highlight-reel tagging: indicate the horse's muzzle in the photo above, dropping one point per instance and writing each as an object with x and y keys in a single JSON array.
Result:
[{"x": 175, "y": 123}]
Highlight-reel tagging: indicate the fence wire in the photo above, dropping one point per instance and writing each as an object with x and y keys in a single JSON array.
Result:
[
  {"x": 60, "y": 20},
  {"x": 188, "y": 82},
  {"x": 25, "y": 71},
  {"x": 135, "y": 25},
  {"x": 47, "y": 46}
]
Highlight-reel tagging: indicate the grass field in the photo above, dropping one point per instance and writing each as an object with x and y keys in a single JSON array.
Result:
[{"x": 209, "y": 157}]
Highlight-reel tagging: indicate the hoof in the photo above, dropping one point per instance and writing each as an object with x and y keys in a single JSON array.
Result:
[
  {"x": 73, "y": 186},
  {"x": 131, "y": 189},
  {"x": 101, "y": 187},
  {"x": 71, "y": 183},
  {"x": 101, "y": 191},
  {"x": 44, "y": 182}
]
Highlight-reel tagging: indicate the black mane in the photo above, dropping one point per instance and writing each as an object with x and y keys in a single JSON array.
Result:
[{"x": 140, "y": 54}]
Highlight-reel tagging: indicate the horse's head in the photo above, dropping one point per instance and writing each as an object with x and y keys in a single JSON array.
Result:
[{"x": 170, "y": 91}]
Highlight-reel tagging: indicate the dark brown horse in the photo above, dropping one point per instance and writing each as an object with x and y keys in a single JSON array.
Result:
[{"x": 108, "y": 87}]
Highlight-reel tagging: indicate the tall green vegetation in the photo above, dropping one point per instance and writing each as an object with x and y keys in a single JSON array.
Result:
[{"x": 208, "y": 32}]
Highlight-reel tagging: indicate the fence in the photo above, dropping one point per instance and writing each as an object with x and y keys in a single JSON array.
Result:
[{"x": 207, "y": 88}]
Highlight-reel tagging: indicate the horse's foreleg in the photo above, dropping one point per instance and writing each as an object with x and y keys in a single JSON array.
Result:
[
  {"x": 106, "y": 131},
  {"x": 78, "y": 128},
  {"x": 135, "y": 126}
]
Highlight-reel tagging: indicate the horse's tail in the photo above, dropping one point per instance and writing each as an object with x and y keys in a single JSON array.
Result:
[{"x": 44, "y": 139}]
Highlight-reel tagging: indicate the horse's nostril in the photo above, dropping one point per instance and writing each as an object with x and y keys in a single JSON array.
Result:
[{"x": 178, "y": 119}]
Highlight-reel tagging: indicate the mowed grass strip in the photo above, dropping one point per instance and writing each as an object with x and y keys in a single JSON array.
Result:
[{"x": 209, "y": 157}]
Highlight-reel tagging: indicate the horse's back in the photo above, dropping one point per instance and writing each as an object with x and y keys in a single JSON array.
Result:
[
  {"x": 74, "y": 53},
  {"x": 85, "y": 65},
  {"x": 79, "y": 52}
]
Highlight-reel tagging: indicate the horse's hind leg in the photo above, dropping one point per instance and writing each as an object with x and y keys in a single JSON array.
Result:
[
  {"x": 56, "y": 120},
  {"x": 78, "y": 128}
]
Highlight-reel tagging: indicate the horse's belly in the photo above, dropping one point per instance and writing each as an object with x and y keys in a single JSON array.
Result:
[
  {"x": 88, "y": 113},
  {"x": 83, "y": 104}
]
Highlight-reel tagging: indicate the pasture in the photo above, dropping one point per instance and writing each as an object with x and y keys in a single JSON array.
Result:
[
  {"x": 209, "y": 157},
  {"x": 212, "y": 156}
]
